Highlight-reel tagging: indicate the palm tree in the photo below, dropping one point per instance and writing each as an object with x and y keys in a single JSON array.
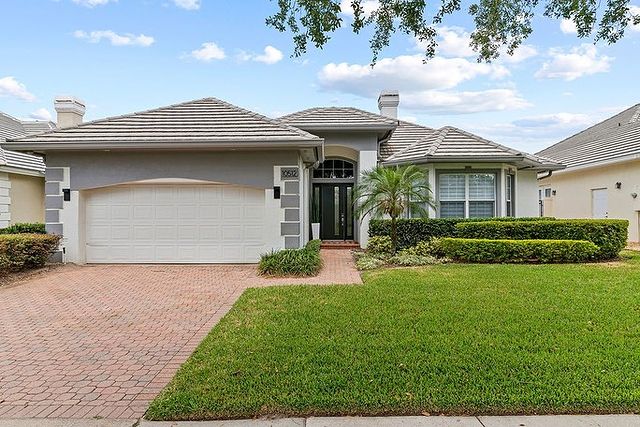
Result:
[{"x": 392, "y": 191}]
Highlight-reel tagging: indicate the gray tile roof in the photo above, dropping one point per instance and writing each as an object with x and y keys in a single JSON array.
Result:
[
  {"x": 613, "y": 138},
  {"x": 405, "y": 135},
  {"x": 207, "y": 120},
  {"x": 450, "y": 144},
  {"x": 11, "y": 127},
  {"x": 337, "y": 118}
]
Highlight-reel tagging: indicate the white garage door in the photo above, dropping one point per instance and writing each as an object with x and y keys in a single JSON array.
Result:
[{"x": 174, "y": 223}]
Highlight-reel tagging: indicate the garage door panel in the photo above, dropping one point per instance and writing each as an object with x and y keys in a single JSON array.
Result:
[{"x": 175, "y": 223}]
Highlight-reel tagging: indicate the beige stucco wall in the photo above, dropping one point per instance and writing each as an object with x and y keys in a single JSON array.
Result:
[
  {"x": 27, "y": 198},
  {"x": 573, "y": 193}
]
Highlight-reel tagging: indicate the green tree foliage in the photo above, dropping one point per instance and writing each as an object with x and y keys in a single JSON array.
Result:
[{"x": 499, "y": 24}]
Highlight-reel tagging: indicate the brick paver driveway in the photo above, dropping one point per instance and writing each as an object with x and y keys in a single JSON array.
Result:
[{"x": 102, "y": 341}]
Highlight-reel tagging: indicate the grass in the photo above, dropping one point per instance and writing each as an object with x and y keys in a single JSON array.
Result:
[{"x": 452, "y": 339}]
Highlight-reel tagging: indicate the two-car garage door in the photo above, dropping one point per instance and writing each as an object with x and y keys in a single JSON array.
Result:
[{"x": 174, "y": 224}]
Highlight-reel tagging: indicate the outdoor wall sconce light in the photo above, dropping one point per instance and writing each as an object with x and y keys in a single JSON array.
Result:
[
  {"x": 553, "y": 192},
  {"x": 276, "y": 192},
  {"x": 66, "y": 194},
  {"x": 634, "y": 195},
  {"x": 618, "y": 185}
]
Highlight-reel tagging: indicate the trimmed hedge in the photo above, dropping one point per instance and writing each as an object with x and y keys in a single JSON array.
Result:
[
  {"x": 292, "y": 262},
  {"x": 517, "y": 251},
  {"x": 609, "y": 235},
  {"x": 23, "y": 251},
  {"x": 413, "y": 231},
  {"x": 24, "y": 228}
]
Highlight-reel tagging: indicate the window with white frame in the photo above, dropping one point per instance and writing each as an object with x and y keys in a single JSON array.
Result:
[
  {"x": 467, "y": 195},
  {"x": 510, "y": 196}
]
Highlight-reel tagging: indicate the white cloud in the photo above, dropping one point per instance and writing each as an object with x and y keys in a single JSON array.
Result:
[
  {"x": 567, "y": 26},
  {"x": 208, "y": 52},
  {"x": 10, "y": 87},
  {"x": 270, "y": 55},
  {"x": 187, "y": 4},
  {"x": 464, "y": 102},
  {"x": 580, "y": 61},
  {"x": 93, "y": 3},
  {"x": 522, "y": 53},
  {"x": 41, "y": 114},
  {"x": 114, "y": 38},
  {"x": 557, "y": 120},
  {"x": 407, "y": 73},
  {"x": 456, "y": 42},
  {"x": 368, "y": 7}
]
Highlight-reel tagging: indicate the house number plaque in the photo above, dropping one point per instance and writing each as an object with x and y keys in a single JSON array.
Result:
[{"x": 288, "y": 173}]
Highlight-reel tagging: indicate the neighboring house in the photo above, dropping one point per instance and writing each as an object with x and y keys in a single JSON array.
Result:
[
  {"x": 21, "y": 175},
  {"x": 602, "y": 178},
  {"x": 206, "y": 181}
]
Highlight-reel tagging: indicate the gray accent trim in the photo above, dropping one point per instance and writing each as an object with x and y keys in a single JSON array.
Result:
[
  {"x": 289, "y": 201},
  {"x": 56, "y": 257},
  {"x": 292, "y": 242},
  {"x": 289, "y": 228},
  {"x": 54, "y": 174},
  {"x": 53, "y": 202},
  {"x": 52, "y": 215},
  {"x": 54, "y": 228},
  {"x": 292, "y": 187},
  {"x": 292, "y": 214},
  {"x": 52, "y": 188}
]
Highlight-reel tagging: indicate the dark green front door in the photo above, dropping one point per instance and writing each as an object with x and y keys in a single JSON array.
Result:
[{"x": 336, "y": 211}]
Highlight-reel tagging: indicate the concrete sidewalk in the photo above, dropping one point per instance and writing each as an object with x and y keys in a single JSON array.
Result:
[{"x": 435, "y": 421}]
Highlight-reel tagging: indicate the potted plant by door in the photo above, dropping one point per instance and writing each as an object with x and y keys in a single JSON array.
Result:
[{"x": 315, "y": 219}]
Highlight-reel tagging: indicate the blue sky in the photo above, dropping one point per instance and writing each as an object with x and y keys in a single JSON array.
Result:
[{"x": 130, "y": 55}]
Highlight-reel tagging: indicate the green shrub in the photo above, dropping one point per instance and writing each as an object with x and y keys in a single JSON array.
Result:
[
  {"x": 412, "y": 231},
  {"x": 609, "y": 235},
  {"x": 24, "y": 228},
  {"x": 23, "y": 251},
  {"x": 425, "y": 248},
  {"x": 405, "y": 258},
  {"x": 380, "y": 245},
  {"x": 369, "y": 262},
  {"x": 292, "y": 262},
  {"x": 517, "y": 251}
]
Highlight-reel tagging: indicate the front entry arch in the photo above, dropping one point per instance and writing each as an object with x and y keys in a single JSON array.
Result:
[{"x": 332, "y": 199}]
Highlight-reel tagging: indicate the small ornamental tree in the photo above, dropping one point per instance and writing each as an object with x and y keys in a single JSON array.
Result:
[{"x": 392, "y": 191}]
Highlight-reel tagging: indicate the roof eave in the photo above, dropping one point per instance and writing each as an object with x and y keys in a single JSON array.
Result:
[
  {"x": 476, "y": 159},
  {"x": 342, "y": 127},
  {"x": 157, "y": 145},
  {"x": 21, "y": 171}
]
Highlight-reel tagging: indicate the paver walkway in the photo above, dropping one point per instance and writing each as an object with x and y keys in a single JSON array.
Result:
[{"x": 103, "y": 340}]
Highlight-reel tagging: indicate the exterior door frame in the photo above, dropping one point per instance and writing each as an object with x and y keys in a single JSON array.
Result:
[{"x": 338, "y": 218}]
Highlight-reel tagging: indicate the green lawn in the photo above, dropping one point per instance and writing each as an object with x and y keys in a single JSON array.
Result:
[{"x": 455, "y": 339}]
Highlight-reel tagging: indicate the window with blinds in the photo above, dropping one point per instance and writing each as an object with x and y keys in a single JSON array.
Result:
[{"x": 467, "y": 195}]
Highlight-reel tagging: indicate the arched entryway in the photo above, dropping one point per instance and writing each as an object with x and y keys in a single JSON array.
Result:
[{"x": 332, "y": 198}]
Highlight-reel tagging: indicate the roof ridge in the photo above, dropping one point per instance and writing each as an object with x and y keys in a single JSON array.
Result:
[
  {"x": 263, "y": 117},
  {"x": 443, "y": 131},
  {"x": 307, "y": 111},
  {"x": 253, "y": 114},
  {"x": 119, "y": 116},
  {"x": 488, "y": 141},
  {"x": 637, "y": 106}
]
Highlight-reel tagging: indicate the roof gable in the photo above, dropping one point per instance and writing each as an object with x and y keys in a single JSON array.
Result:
[
  {"x": 453, "y": 144},
  {"x": 338, "y": 118},
  {"x": 11, "y": 127},
  {"x": 615, "y": 137},
  {"x": 207, "y": 120}
]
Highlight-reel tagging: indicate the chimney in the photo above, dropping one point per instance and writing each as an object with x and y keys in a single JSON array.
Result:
[
  {"x": 388, "y": 103},
  {"x": 69, "y": 110}
]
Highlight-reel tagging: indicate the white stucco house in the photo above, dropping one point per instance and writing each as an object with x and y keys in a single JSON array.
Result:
[
  {"x": 602, "y": 178},
  {"x": 207, "y": 181},
  {"x": 21, "y": 175}
]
